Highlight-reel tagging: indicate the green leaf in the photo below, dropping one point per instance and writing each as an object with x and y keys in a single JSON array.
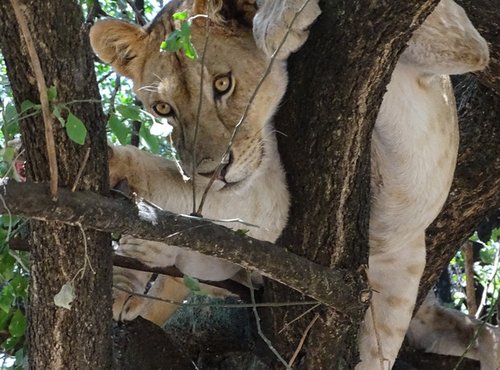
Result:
[
  {"x": 4, "y": 320},
  {"x": 57, "y": 113},
  {"x": 180, "y": 16},
  {"x": 192, "y": 284},
  {"x": 9, "y": 153},
  {"x": 10, "y": 343},
  {"x": 75, "y": 129},
  {"x": 173, "y": 42},
  {"x": 65, "y": 296},
  {"x": 10, "y": 115},
  {"x": 187, "y": 45},
  {"x": 118, "y": 128},
  {"x": 7, "y": 298},
  {"x": 242, "y": 232},
  {"x": 20, "y": 356},
  {"x": 17, "y": 324},
  {"x": 28, "y": 104},
  {"x": 130, "y": 112},
  {"x": 20, "y": 285},
  {"x": 52, "y": 93}
]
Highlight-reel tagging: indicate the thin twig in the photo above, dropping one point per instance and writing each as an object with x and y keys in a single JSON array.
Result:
[
  {"x": 85, "y": 250},
  {"x": 219, "y": 305},
  {"x": 259, "y": 329},
  {"x": 198, "y": 114},
  {"x": 490, "y": 281},
  {"x": 44, "y": 99},
  {"x": 139, "y": 16},
  {"x": 476, "y": 334},
  {"x": 103, "y": 78},
  {"x": 286, "y": 325},
  {"x": 470, "y": 292},
  {"x": 247, "y": 108},
  {"x": 302, "y": 340},
  {"x": 82, "y": 167},
  {"x": 113, "y": 94}
]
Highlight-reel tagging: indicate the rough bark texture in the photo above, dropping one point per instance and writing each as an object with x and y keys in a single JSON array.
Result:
[
  {"x": 474, "y": 193},
  {"x": 147, "y": 222},
  {"x": 59, "y": 338},
  {"x": 337, "y": 82}
]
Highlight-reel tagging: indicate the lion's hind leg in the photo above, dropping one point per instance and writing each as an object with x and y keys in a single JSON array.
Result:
[{"x": 393, "y": 275}]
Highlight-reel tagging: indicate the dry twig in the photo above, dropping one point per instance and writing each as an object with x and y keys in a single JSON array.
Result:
[
  {"x": 469, "y": 277},
  {"x": 303, "y": 339},
  {"x": 44, "y": 99},
  {"x": 80, "y": 171}
]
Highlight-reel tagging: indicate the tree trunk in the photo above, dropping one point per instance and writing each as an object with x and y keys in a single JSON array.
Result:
[
  {"x": 80, "y": 337},
  {"x": 474, "y": 193},
  {"x": 337, "y": 82}
]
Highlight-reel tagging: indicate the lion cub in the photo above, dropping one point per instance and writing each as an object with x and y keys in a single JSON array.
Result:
[{"x": 414, "y": 145}]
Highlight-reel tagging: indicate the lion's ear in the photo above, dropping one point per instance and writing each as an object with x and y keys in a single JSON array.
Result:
[{"x": 121, "y": 44}]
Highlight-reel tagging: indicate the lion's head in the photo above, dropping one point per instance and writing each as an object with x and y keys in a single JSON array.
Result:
[{"x": 169, "y": 83}]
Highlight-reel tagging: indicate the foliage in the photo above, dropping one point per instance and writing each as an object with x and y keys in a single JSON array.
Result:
[
  {"x": 486, "y": 274},
  {"x": 180, "y": 39}
]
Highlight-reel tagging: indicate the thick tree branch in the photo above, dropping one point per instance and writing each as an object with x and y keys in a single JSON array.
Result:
[{"x": 334, "y": 288}]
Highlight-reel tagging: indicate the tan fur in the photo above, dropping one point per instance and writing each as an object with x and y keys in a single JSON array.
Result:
[
  {"x": 414, "y": 146},
  {"x": 440, "y": 330}
]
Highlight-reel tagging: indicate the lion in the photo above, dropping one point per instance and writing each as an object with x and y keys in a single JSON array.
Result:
[{"x": 414, "y": 145}]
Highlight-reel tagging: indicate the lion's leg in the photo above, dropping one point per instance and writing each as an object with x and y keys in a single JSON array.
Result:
[
  {"x": 274, "y": 19},
  {"x": 447, "y": 43},
  {"x": 167, "y": 288},
  {"x": 394, "y": 276},
  {"x": 127, "y": 306},
  {"x": 445, "y": 331}
]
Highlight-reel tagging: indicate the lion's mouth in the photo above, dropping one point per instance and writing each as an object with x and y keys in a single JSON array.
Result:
[{"x": 220, "y": 172}]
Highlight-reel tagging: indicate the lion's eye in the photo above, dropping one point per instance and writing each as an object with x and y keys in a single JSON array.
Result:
[
  {"x": 163, "y": 109},
  {"x": 222, "y": 84}
]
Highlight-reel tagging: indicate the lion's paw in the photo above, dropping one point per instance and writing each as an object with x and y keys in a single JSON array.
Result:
[
  {"x": 124, "y": 165},
  {"x": 275, "y": 19},
  {"x": 153, "y": 254}
]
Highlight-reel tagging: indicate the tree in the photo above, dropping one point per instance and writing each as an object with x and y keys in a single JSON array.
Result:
[
  {"x": 331, "y": 212},
  {"x": 62, "y": 254}
]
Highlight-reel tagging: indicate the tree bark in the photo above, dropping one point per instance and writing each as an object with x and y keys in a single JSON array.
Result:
[
  {"x": 146, "y": 222},
  {"x": 58, "y": 338},
  {"x": 474, "y": 193},
  {"x": 336, "y": 86}
]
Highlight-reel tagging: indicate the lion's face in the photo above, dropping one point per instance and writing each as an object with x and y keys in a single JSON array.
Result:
[{"x": 169, "y": 84}]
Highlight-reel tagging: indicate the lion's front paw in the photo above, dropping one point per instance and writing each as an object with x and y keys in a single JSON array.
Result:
[
  {"x": 153, "y": 254},
  {"x": 125, "y": 164},
  {"x": 275, "y": 19}
]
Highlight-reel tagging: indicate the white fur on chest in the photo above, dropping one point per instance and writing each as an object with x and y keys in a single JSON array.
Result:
[{"x": 414, "y": 148}]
